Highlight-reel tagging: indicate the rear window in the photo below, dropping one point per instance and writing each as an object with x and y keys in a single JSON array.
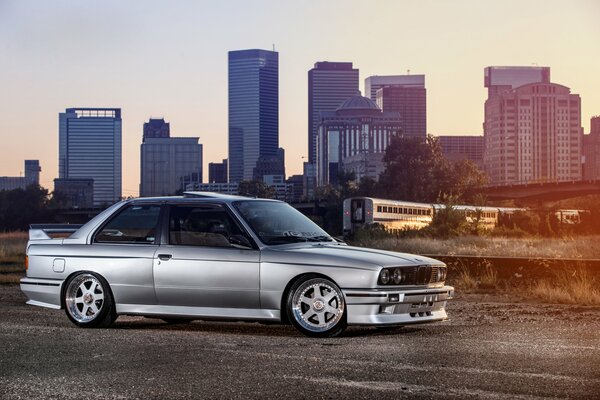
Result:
[{"x": 136, "y": 224}]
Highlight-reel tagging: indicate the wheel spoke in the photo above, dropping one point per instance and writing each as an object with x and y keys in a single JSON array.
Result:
[
  {"x": 310, "y": 313},
  {"x": 79, "y": 300},
  {"x": 317, "y": 291},
  {"x": 331, "y": 310},
  {"x": 98, "y": 296},
  {"x": 85, "y": 310},
  {"x": 321, "y": 317},
  {"x": 94, "y": 307},
  {"x": 306, "y": 300},
  {"x": 328, "y": 297}
]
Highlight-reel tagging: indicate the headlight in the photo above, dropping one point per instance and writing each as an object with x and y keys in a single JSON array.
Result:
[
  {"x": 397, "y": 276},
  {"x": 384, "y": 277},
  {"x": 392, "y": 276},
  {"x": 442, "y": 274}
]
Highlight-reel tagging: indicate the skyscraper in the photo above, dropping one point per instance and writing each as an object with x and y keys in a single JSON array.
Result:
[
  {"x": 217, "y": 172},
  {"x": 501, "y": 79},
  {"x": 591, "y": 151},
  {"x": 156, "y": 128},
  {"x": 90, "y": 147},
  {"x": 168, "y": 164},
  {"x": 376, "y": 82},
  {"x": 253, "y": 110},
  {"x": 329, "y": 85},
  {"x": 457, "y": 148},
  {"x": 532, "y": 131}
]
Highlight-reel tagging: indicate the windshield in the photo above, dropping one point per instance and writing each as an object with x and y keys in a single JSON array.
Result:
[{"x": 279, "y": 223}]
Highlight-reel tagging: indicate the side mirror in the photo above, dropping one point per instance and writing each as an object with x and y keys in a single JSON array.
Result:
[{"x": 240, "y": 241}]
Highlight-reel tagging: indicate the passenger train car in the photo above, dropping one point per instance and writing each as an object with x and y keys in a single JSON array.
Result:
[{"x": 397, "y": 216}]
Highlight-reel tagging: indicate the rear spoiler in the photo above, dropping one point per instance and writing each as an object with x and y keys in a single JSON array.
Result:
[{"x": 41, "y": 231}]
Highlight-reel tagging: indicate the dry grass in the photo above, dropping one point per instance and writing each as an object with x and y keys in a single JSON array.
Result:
[
  {"x": 577, "y": 286},
  {"x": 12, "y": 244},
  {"x": 10, "y": 278},
  {"x": 467, "y": 281},
  {"x": 575, "y": 247},
  {"x": 574, "y": 285}
]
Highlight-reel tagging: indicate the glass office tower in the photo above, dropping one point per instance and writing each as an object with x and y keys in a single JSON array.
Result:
[
  {"x": 253, "y": 110},
  {"x": 90, "y": 148}
]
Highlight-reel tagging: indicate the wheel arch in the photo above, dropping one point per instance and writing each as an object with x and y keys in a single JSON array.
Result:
[
  {"x": 303, "y": 276},
  {"x": 64, "y": 285}
]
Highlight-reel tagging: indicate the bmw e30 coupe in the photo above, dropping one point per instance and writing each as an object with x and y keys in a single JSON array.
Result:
[{"x": 210, "y": 256}]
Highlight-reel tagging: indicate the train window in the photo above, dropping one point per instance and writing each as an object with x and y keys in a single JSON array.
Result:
[
  {"x": 405, "y": 211},
  {"x": 378, "y": 208},
  {"x": 358, "y": 210}
]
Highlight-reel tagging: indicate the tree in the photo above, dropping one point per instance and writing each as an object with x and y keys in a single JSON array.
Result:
[
  {"x": 21, "y": 207},
  {"x": 467, "y": 182},
  {"x": 256, "y": 189},
  {"x": 416, "y": 170}
]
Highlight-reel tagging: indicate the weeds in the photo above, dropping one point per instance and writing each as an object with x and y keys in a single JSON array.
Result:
[
  {"x": 12, "y": 244},
  {"x": 575, "y": 286},
  {"x": 578, "y": 247}
]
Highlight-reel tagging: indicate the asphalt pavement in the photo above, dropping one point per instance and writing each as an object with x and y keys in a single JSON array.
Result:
[{"x": 490, "y": 349}]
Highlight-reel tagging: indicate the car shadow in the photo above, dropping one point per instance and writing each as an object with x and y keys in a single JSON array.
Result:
[{"x": 252, "y": 328}]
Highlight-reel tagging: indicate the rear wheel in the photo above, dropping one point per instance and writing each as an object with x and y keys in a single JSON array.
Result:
[
  {"x": 88, "y": 301},
  {"x": 316, "y": 307}
]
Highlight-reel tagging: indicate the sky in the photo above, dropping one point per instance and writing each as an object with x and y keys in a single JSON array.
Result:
[{"x": 169, "y": 59}]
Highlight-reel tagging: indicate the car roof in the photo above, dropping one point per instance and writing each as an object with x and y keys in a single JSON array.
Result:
[{"x": 199, "y": 196}]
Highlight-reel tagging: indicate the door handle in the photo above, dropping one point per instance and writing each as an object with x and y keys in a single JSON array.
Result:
[{"x": 164, "y": 257}]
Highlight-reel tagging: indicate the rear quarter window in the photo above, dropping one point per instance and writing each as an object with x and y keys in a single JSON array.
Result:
[{"x": 135, "y": 224}]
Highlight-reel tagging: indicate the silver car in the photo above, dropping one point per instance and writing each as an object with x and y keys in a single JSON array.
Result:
[{"x": 210, "y": 256}]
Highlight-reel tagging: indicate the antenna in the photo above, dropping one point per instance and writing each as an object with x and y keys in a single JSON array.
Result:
[
  {"x": 273, "y": 46},
  {"x": 408, "y": 72}
]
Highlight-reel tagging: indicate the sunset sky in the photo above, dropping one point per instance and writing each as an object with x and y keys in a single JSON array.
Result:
[{"x": 169, "y": 59}]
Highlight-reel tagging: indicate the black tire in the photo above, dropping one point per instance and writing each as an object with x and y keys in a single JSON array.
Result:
[
  {"x": 316, "y": 307},
  {"x": 88, "y": 301}
]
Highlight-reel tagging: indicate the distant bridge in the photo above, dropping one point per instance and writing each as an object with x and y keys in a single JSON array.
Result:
[{"x": 543, "y": 191}]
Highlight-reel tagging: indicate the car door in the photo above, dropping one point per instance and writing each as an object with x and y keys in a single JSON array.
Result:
[{"x": 198, "y": 266}]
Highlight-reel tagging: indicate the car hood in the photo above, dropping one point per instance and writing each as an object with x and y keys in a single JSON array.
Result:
[{"x": 341, "y": 256}]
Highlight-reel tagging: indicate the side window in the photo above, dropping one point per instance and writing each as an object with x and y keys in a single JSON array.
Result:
[
  {"x": 202, "y": 226},
  {"x": 136, "y": 224}
]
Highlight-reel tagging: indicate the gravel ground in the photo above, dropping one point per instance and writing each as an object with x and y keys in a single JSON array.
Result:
[{"x": 490, "y": 349}]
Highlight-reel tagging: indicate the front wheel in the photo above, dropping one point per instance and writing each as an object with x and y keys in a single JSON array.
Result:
[
  {"x": 316, "y": 307},
  {"x": 88, "y": 301}
]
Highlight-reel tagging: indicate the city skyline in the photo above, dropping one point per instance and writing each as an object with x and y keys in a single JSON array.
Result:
[{"x": 61, "y": 70}]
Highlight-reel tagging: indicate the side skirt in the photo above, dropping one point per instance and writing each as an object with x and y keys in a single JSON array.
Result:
[{"x": 199, "y": 312}]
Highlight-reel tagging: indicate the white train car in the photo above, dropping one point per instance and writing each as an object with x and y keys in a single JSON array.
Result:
[
  {"x": 394, "y": 215},
  {"x": 570, "y": 217},
  {"x": 487, "y": 216}
]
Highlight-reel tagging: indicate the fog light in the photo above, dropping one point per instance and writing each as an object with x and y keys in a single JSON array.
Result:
[{"x": 394, "y": 298}]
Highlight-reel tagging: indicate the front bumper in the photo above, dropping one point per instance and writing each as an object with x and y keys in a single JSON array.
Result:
[
  {"x": 42, "y": 292},
  {"x": 397, "y": 307}
]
